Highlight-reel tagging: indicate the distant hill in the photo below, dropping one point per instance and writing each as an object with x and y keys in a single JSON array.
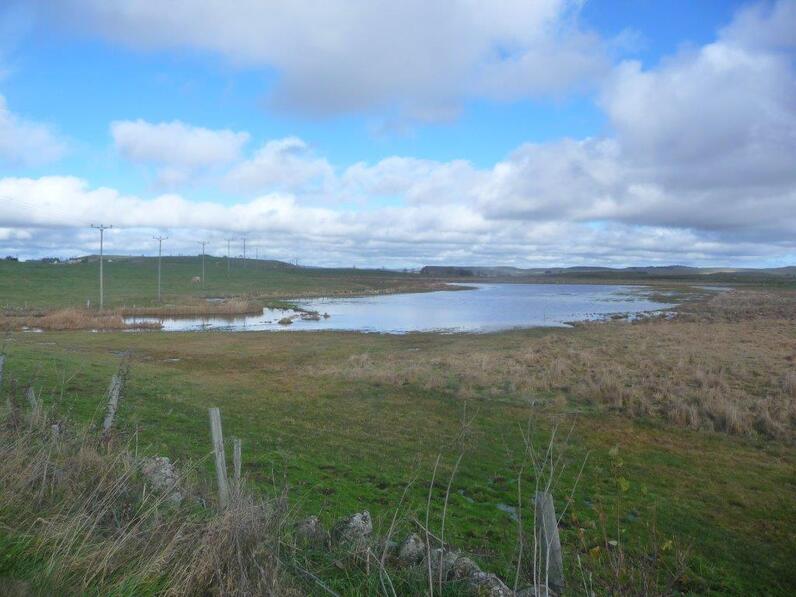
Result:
[
  {"x": 141, "y": 259},
  {"x": 672, "y": 272}
]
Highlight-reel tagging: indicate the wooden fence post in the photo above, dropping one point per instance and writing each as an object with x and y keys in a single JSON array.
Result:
[
  {"x": 552, "y": 572},
  {"x": 31, "y": 396},
  {"x": 236, "y": 461},
  {"x": 114, "y": 394},
  {"x": 221, "y": 461},
  {"x": 35, "y": 406},
  {"x": 2, "y": 364}
]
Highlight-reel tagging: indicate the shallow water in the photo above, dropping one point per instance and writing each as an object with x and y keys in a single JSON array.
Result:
[{"x": 489, "y": 307}]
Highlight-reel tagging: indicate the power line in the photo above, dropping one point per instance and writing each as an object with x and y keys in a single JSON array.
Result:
[
  {"x": 160, "y": 240},
  {"x": 102, "y": 228},
  {"x": 229, "y": 240},
  {"x": 203, "y": 243}
]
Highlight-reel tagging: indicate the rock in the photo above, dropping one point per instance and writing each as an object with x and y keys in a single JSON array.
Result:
[
  {"x": 464, "y": 567},
  {"x": 486, "y": 584},
  {"x": 161, "y": 474},
  {"x": 310, "y": 533},
  {"x": 412, "y": 550},
  {"x": 285, "y": 321},
  {"x": 445, "y": 560},
  {"x": 355, "y": 530}
]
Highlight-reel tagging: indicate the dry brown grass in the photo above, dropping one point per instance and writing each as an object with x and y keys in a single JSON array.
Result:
[
  {"x": 82, "y": 509},
  {"x": 728, "y": 367},
  {"x": 83, "y": 319},
  {"x": 742, "y": 305},
  {"x": 69, "y": 319},
  {"x": 235, "y": 306}
]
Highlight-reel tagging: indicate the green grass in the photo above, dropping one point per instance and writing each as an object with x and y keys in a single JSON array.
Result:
[
  {"x": 343, "y": 445},
  {"x": 133, "y": 281}
]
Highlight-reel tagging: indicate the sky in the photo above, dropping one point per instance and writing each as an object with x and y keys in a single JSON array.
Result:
[{"x": 400, "y": 134}]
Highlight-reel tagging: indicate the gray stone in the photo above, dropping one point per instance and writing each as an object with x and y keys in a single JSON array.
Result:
[
  {"x": 412, "y": 550},
  {"x": 445, "y": 560},
  {"x": 355, "y": 530},
  {"x": 310, "y": 533},
  {"x": 486, "y": 584},
  {"x": 464, "y": 567},
  {"x": 161, "y": 474}
]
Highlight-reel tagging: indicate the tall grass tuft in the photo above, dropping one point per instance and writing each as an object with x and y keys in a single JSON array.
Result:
[{"x": 82, "y": 511}]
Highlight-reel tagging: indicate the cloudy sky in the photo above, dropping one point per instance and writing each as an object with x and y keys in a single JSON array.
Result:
[{"x": 383, "y": 133}]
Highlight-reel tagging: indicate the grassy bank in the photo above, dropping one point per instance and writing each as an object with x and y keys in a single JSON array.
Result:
[
  {"x": 347, "y": 421},
  {"x": 132, "y": 282}
]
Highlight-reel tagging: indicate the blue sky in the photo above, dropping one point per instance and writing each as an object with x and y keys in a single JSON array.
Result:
[{"x": 551, "y": 133}]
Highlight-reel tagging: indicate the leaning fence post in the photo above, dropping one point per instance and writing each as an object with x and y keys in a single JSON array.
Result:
[
  {"x": 35, "y": 405},
  {"x": 31, "y": 396},
  {"x": 114, "y": 394},
  {"x": 218, "y": 451},
  {"x": 236, "y": 461},
  {"x": 549, "y": 541}
]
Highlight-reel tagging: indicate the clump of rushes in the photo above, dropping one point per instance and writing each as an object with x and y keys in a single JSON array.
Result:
[
  {"x": 70, "y": 319},
  {"x": 196, "y": 308}
]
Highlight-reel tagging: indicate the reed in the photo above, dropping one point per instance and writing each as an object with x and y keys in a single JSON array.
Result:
[{"x": 70, "y": 319}]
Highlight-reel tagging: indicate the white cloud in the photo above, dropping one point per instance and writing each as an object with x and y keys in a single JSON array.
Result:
[
  {"x": 768, "y": 25},
  {"x": 707, "y": 138},
  {"x": 488, "y": 227},
  {"x": 281, "y": 164},
  {"x": 417, "y": 56},
  {"x": 698, "y": 166},
  {"x": 178, "y": 149},
  {"x": 715, "y": 116},
  {"x": 27, "y": 143},
  {"x": 419, "y": 181}
]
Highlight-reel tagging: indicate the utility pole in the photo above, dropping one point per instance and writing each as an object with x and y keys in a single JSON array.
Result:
[
  {"x": 244, "y": 250},
  {"x": 203, "y": 243},
  {"x": 228, "y": 241},
  {"x": 160, "y": 240},
  {"x": 102, "y": 228}
]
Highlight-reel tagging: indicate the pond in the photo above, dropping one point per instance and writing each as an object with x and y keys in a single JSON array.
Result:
[{"x": 484, "y": 308}]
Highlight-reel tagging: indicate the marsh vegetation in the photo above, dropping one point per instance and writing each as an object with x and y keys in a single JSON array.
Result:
[{"x": 686, "y": 425}]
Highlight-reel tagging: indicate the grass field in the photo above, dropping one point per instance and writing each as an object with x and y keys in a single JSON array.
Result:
[
  {"x": 132, "y": 281},
  {"x": 346, "y": 421}
]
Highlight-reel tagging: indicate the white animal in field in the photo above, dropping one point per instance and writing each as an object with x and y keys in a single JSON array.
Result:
[{"x": 196, "y": 280}]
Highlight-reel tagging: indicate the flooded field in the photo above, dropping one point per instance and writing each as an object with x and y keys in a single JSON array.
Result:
[{"x": 488, "y": 307}]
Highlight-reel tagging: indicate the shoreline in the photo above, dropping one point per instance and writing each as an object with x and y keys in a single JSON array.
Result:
[
  {"x": 232, "y": 308},
  {"x": 290, "y": 313}
]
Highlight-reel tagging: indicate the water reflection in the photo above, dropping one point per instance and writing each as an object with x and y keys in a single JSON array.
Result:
[{"x": 489, "y": 307}]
